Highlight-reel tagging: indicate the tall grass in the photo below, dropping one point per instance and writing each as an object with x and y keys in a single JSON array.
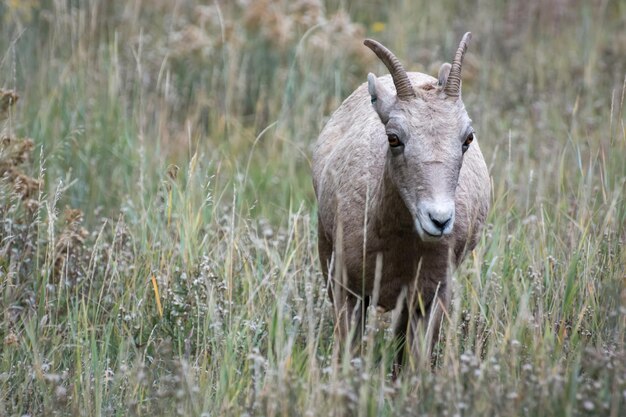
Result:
[{"x": 158, "y": 245}]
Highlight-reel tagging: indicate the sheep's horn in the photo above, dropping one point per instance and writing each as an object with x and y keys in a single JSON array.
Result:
[
  {"x": 404, "y": 90},
  {"x": 453, "y": 84}
]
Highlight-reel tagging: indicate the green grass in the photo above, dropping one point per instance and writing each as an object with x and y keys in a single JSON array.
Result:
[{"x": 183, "y": 135}]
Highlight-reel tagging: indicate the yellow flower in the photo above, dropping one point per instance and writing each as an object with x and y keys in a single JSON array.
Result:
[{"x": 378, "y": 27}]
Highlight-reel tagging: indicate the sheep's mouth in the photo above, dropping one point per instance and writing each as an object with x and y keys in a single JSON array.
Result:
[
  {"x": 431, "y": 235},
  {"x": 425, "y": 235}
]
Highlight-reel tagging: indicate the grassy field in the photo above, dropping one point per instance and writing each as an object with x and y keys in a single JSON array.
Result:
[{"x": 158, "y": 240}]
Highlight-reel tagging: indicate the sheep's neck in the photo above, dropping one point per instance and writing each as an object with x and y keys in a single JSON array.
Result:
[{"x": 390, "y": 212}]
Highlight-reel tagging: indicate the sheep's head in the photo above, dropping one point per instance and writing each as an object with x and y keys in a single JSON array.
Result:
[{"x": 428, "y": 131}]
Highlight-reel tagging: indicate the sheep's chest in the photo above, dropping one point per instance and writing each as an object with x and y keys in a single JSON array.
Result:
[{"x": 406, "y": 262}]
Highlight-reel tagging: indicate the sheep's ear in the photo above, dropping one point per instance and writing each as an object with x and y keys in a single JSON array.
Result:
[
  {"x": 444, "y": 71},
  {"x": 382, "y": 99}
]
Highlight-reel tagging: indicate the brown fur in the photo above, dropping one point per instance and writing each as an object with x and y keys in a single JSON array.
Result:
[{"x": 354, "y": 174}]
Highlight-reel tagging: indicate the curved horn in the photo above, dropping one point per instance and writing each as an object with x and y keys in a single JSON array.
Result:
[
  {"x": 453, "y": 84},
  {"x": 404, "y": 90}
]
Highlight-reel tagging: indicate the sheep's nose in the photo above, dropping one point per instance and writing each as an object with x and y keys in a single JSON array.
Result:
[
  {"x": 435, "y": 218},
  {"x": 440, "y": 220}
]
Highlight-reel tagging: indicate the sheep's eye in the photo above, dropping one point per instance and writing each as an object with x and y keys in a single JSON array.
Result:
[
  {"x": 468, "y": 140},
  {"x": 394, "y": 141}
]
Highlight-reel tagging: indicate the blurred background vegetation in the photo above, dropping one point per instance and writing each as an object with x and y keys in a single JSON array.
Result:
[{"x": 157, "y": 250}]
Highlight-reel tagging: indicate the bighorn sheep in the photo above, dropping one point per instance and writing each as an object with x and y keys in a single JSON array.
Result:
[{"x": 399, "y": 175}]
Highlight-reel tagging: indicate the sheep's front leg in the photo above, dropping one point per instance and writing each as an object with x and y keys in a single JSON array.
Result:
[
  {"x": 349, "y": 309},
  {"x": 350, "y": 317},
  {"x": 347, "y": 315},
  {"x": 419, "y": 324},
  {"x": 324, "y": 248},
  {"x": 433, "y": 320}
]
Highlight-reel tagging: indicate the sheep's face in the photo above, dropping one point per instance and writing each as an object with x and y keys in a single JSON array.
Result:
[{"x": 427, "y": 138}]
